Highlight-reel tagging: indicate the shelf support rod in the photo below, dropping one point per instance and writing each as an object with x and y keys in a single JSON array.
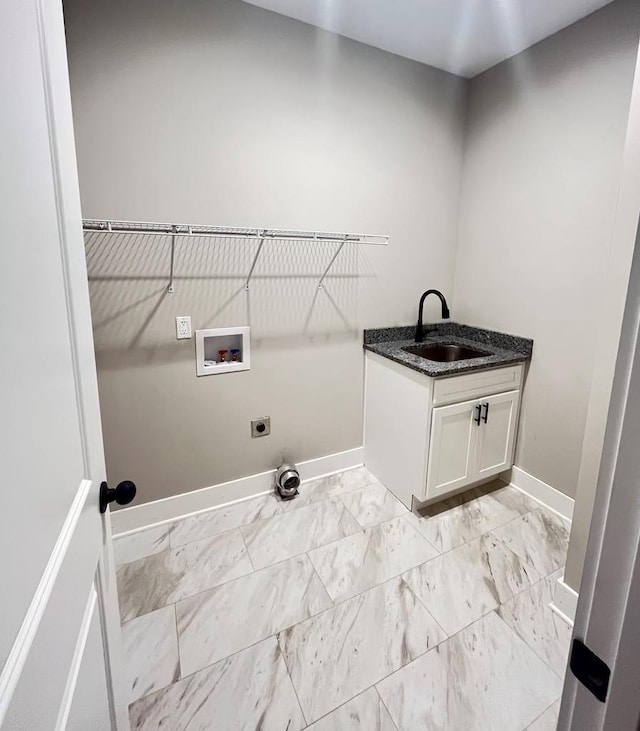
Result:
[
  {"x": 333, "y": 258},
  {"x": 171, "y": 288},
  {"x": 255, "y": 261}
]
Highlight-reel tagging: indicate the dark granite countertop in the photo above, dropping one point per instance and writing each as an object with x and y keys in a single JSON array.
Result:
[{"x": 501, "y": 349}]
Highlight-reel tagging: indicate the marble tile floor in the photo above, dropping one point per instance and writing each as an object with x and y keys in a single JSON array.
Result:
[{"x": 343, "y": 610}]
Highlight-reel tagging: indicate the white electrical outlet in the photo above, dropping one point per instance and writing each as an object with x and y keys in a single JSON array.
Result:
[{"x": 183, "y": 327}]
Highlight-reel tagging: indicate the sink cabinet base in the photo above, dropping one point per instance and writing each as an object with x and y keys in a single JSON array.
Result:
[{"x": 421, "y": 448}]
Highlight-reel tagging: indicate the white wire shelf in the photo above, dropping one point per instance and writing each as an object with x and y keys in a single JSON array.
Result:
[{"x": 253, "y": 234}]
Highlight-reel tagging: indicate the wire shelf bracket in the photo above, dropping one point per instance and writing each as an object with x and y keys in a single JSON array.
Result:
[
  {"x": 176, "y": 230},
  {"x": 253, "y": 263},
  {"x": 333, "y": 258},
  {"x": 171, "y": 288}
]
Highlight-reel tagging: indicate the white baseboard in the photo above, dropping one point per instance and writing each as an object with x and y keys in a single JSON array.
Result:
[
  {"x": 543, "y": 493},
  {"x": 129, "y": 520},
  {"x": 565, "y": 599},
  {"x": 565, "y": 602}
]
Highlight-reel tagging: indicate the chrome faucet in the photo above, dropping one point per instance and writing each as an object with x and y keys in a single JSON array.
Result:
[{"x": 445, "y": 312}]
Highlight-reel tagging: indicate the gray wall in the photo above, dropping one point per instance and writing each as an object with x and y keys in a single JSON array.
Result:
[
  {"x": 218, "y": 112},
  {"x": 542, "y": 164},
  {"x": 214, "y": 111}
]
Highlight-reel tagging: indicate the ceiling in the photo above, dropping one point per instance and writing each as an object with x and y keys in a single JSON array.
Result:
[{"x": 464, "y": 37}]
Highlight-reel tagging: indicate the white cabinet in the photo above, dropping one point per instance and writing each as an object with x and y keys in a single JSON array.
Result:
[
  {"x": 426, "y": 438},
  {"x": 496, "y": 435},
  {"x": 451, "y": 451},
  {"x": 397, "y": 419},
  {"x": 470, "y": 442}
]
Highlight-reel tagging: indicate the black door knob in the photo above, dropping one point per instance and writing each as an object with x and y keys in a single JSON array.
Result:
[{"x": 123, "y": 494}]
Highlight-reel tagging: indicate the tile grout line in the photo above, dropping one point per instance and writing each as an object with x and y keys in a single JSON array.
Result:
[
  {"x": 335, "y": 603},
  {"x": 542, "y": 577},
  {"x": 324, "y": 586},
  {"x": 422, "y": 654},
  {"x": 537, "y": 718},
  {"x": 344, "y": 703},
  {"x": 344, "y": 505},
  {"x": 435, "y": 647},
  {"x": 446, "y": 636},
  {"x": 315, "y": 616},
  {"x": 477, "y": 538},
  {"x": 115, "y": 540},
  {"x": 535, "y": 652},
  {"x": 338, "y": 602},
  {"x": 483, "y": 533},
  {"x": 430, "y": 613},
  {"x": 246, "y": 548},
  {"x": 382, "y": 583},
  {"x": 399, "y": 575},
  {"x": 280, "y": 512},
  {"x": 504, "y": 543},
  {"x": 179, "y": 668},
  {"x": 218, "y": 586},
  {"x": 528, "y": 587},
  {"x": 225, "y": 530},
  {"x": 419, "y": 532},
  {"x": 239, "y": 529},
  {"x": 243, "y": 501},
  {"x": 211, "y": 664},
  {"x": 393, "y": 720},
  {"x": 526, "y": 642},
  {"x": 313, "y": 548},
  {"x": 293, "y": 685},
  {"x": 332, "y": 495},
  {"x": 170, "y": 548},
  {"x": 388, "y": 493},
  {"x": 273, "y": 633},
  {"x": 189, "y": 596},
  {"x": 495, "y": 608}
]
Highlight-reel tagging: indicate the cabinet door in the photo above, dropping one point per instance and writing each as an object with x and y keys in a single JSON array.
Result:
[
  {"x": 497, "y": 434},
  {"x": 452, "y": 447}
]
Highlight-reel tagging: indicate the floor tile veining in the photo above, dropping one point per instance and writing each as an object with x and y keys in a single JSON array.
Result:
[
  {"x": 464, "y": 584},
  {"x": 342, "y": 610},
  {"x": 341, "y": 652},
  {"x": 217, "y": 623},
  {"x": 295, "y": 532}
]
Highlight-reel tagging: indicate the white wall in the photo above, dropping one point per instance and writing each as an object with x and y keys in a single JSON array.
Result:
[
  {"x": 214, "y": 111},
  {"x": 542, "y": 165}
]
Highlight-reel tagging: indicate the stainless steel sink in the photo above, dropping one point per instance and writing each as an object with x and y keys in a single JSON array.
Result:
[{"x": 445, "y": 352}]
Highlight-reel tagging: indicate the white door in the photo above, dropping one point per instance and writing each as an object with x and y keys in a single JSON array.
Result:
[
  {"x": 497, "y": 434},
  {"x": 607, "y": 617},
  {"x": 601, "y": 692},
  {"x": 451, "y": 453},
  {"x": 60, "y": 658}
]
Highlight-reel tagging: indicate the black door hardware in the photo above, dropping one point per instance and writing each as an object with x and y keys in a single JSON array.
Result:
[
  {"x": 123, "y": 494},
  {"x": 477, "y": 417},
  {"x": 590, "y": 670},
  {"x": 485, "y": 418}
]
